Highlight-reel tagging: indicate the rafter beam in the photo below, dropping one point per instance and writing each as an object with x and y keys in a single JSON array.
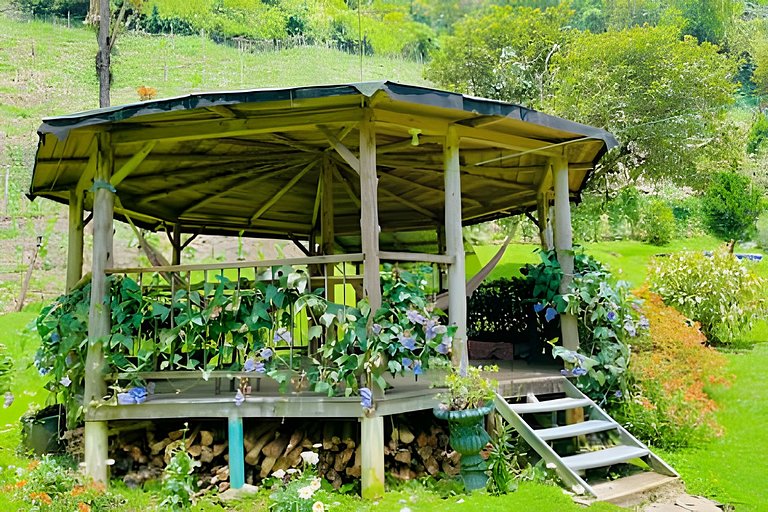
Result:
[
  {"x": 274, "y": 199},
  {"x": 347, "y": 186},
  {"x": 341, "y": 149},
  {"x": 199, "y": 130},
  {"x": 132, "y": 163},
  {"x": 408, "y": 204}
]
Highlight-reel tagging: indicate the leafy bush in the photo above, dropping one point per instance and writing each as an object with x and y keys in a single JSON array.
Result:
[
  {"x": 178, "y": 479},
  {"x": 758, "y": 134},
  {"x": 75, "y": 8},
  {"x": 669, "y": 406},
  {"x": 658, "y": 222},
  {"x": 53, "y": 485},
  {"x": 718, "y": 290},
  {"x": 731, "y": 206},
  {"x": 298, "y": 490}
]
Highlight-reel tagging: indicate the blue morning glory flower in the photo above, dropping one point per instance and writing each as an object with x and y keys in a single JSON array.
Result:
[
  {"x": 282, "y": 334},
  {"x": 565, "y": 373},
  {"x": 239, "y": 398},
  {"x": 139, "y": 394},
  {"x": 266, "y": 353},
  {"x": 550, "y": 314},
  {"x": 444, "y": 347},
  {"x": 618, "y": 394},
  {"x": 366, "y": 398},
  {"x": 250, "y": 365},
  {"x": 407, "y": 362},
  {"x": 578, "y": 372},
  {"x": 417, "y": 370},
  {"x": 538, "y": 307},
  {"x": 630, "y": 328},
  {"x": 260, "y": 368},
  {"x": 407, "y": 341},
  {"x": 612, "y": 316},
  {"x": 376, "y": 328}
]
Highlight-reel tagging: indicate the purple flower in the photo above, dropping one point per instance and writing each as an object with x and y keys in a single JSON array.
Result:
[
  {"x": 430, "y": 331},
  {"x": 612, "y": 316},
  {"x": 259, "y": 367},
  {"x": 282, "y": 334},
  {"x": 407, "y": 341},
  {"x": 618, "y": 394},
  {"x": 630, "y": 328},
  {"x": 125, "y": 399},
  {"x": 407, "y": 362},
  {"x": 550, "y": 314},
  {"x": 139, "y": 394},
  {"x": 376, "y": 328},
  {"x": 444, "y": 347},
  {"x": 266, "y": 353},
  {"x": 8, "y": 400},
  {"x": 366, "y": 398},
  {"x": 538, "y": 307},
  {"x": 250, "y": 365},
  {"x": 578, "y": 371},
  {"x": 417, "y": 370},
  {"x": 415, "y": 317},
  {"x": 239, "y": 398},
  {"x": 565, "y": 373},
  {"x": 643, "y": 323},
  {"x": 43, "y": 371}
]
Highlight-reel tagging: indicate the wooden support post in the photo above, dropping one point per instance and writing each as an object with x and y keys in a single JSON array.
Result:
[
  {"x": 236, "y": 453},
  {"x": 326, "y": 219},
  {"x": 454, "y": 243},
  {"x": 564, "y": 247},
  {"x": 75, "y": 239},
  {"x": 372, "y": 447},
  {"x": 369, "y": 212},
  {"x": 176, "y": 258},
  {"x": 99, "y": 314},
  {"x": 544, "y": 224}
]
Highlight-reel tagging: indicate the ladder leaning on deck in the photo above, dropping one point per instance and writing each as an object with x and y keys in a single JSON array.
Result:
[{"x": 623, "y": 447}]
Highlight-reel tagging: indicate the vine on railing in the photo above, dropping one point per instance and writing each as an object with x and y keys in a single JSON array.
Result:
[{"x": 273, "y": 324}]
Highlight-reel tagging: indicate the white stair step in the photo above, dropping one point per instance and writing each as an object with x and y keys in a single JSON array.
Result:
[
  {"x": 559, "y": 404},
  {"x": 606, "y": 457},
  {"x": 576, "y": 429}
]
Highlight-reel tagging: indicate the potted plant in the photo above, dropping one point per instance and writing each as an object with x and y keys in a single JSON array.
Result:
[{"x": 465, "y": 404}]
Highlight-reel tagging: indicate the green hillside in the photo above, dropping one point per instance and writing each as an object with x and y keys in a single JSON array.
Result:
[{"x": 48, "y": 70}]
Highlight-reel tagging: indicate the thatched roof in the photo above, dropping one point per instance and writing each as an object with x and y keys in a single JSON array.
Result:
[{"x": 249, "y": 161}]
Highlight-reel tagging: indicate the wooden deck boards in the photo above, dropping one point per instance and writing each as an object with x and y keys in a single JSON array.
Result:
[{"x": 200, "y": 401}]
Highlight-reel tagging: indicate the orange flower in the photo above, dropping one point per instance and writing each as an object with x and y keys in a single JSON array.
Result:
[
  {"x": 42, "y": 497},
  {"x": 78, "y": 490},
  {"x": 20, "y": 484},
  {"x": 83, "y": 507},
  {"x": 33, "y": 464}
]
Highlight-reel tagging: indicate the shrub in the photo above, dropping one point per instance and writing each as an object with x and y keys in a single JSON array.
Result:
[
  {"x": 658, "y": 222},
  {"x": 731, "y": 206},
  {"x": 669, "y": 406},
  {"x": 758, "y": 134},
  {"x": 718, "y": 290}
]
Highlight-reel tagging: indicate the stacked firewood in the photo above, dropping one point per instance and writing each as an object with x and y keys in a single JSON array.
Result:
[{"x": 415, "y": 446}]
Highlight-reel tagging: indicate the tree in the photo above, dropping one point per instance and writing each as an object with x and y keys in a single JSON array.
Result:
[
  {"x": 664, "y": 97},
  {"x": 708, "y": 20},
  {"x": 502, "y": 53},
  {"x": 731, "y": 206}
]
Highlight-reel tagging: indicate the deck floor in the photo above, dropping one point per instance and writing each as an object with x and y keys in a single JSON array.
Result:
[{"x": 185, "y": 399}]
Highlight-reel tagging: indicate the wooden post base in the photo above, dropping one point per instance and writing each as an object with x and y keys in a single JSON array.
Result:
[
  {"x": 372, "y": 446},
  {"x": 96, "y": 451}
]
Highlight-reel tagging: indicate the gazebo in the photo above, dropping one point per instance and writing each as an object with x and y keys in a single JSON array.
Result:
[{"x": 341, "y": 170}]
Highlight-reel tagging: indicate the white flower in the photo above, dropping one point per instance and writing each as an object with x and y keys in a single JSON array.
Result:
[
  {"x": 315, "y": 483},
  {"x": 318, "y": 507},
  {"x": 65, "y": 381},
  {"x": 310, "y": 458},
  {"x": 291, "y": 471},
  {"x": 317, "y": 445},
  {"x": 306, "y": 493},
  {"x": 279, "y": 474}
]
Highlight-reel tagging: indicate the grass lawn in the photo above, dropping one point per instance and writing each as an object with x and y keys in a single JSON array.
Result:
[{"x": 733, "y": 468}]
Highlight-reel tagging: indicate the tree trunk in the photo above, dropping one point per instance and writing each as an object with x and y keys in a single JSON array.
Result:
[{"x": 102, "y": 58}]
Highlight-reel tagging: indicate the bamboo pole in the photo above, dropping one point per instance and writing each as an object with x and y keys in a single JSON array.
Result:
[
  {"x": 75, "y": 239},
  {"x": 564, "y": 247},
  {"x": 96, "y": 446},
  {"x": 454, "y": 243}
]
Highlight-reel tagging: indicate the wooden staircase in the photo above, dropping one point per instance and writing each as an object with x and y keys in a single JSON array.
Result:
[{"x": 576, "y": 448}]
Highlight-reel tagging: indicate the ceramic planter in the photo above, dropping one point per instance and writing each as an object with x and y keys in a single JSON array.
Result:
[{"x": 468, "y": 437}]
